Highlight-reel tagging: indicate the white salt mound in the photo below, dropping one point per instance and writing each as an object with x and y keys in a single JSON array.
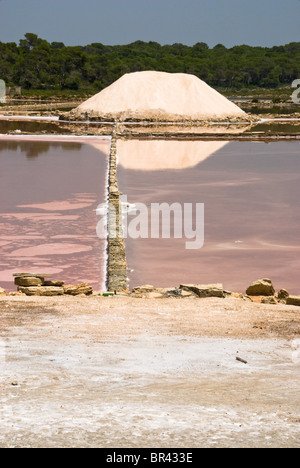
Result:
[{"x": 163, "y": 96}]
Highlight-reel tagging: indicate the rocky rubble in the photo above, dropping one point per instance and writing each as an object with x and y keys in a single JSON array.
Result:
[
  {"x": 183, "y": 291},
  {"x": 31, "y": 284},
  {"x": 261, "y": 291}
]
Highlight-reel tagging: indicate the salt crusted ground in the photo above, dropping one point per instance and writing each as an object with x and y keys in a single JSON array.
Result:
[{"x": 125, "y": 372}]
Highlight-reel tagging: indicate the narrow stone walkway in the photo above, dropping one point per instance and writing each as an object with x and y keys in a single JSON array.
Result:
[{"x": 117, "y": 266}]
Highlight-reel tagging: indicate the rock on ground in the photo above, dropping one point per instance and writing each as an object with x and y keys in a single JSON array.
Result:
[
  {"x": 76, "y": 290},
  {"x": 29, "y": 281},
  {"x": 293, "y": 300},
  {"x": 209, "y": 290},
  {"x": 262, "y": 287},
  {"x": 41, "y": 291}
]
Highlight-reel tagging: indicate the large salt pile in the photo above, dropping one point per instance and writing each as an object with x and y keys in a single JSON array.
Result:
[{"x": 160, "y": 96}]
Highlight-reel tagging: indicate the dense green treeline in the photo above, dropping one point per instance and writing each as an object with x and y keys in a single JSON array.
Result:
[{"x": 37, "y": 64}]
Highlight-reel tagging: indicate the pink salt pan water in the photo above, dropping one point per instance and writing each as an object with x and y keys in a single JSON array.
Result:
[
  {"x": 251, "y": 195},
  {"x": 49, "y": 192}
]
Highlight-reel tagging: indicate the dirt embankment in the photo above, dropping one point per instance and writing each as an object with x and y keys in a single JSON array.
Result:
[{"x": 190, "y": 316}]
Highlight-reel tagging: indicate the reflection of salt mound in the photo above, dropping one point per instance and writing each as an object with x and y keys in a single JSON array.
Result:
[
  {"x": 156, "y": 155},
  {"x": 161, "y": 96}
]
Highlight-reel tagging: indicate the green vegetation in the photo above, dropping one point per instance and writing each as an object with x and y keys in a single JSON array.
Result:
[{"x": 36, "y": 64}]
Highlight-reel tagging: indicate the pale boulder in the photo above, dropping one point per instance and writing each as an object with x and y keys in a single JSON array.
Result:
[
  {"x": 28, "y": 281},
  {"x": 282, "y": 295},
  {"x": 146, "y": 288},
  {"x": 41, "y": 290},
  {"x": 205, "y": 290},
  {"x": 262, "y": 287},
  {"x": 76, "y": 290},
  {"x": 293, "y": 300}
]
